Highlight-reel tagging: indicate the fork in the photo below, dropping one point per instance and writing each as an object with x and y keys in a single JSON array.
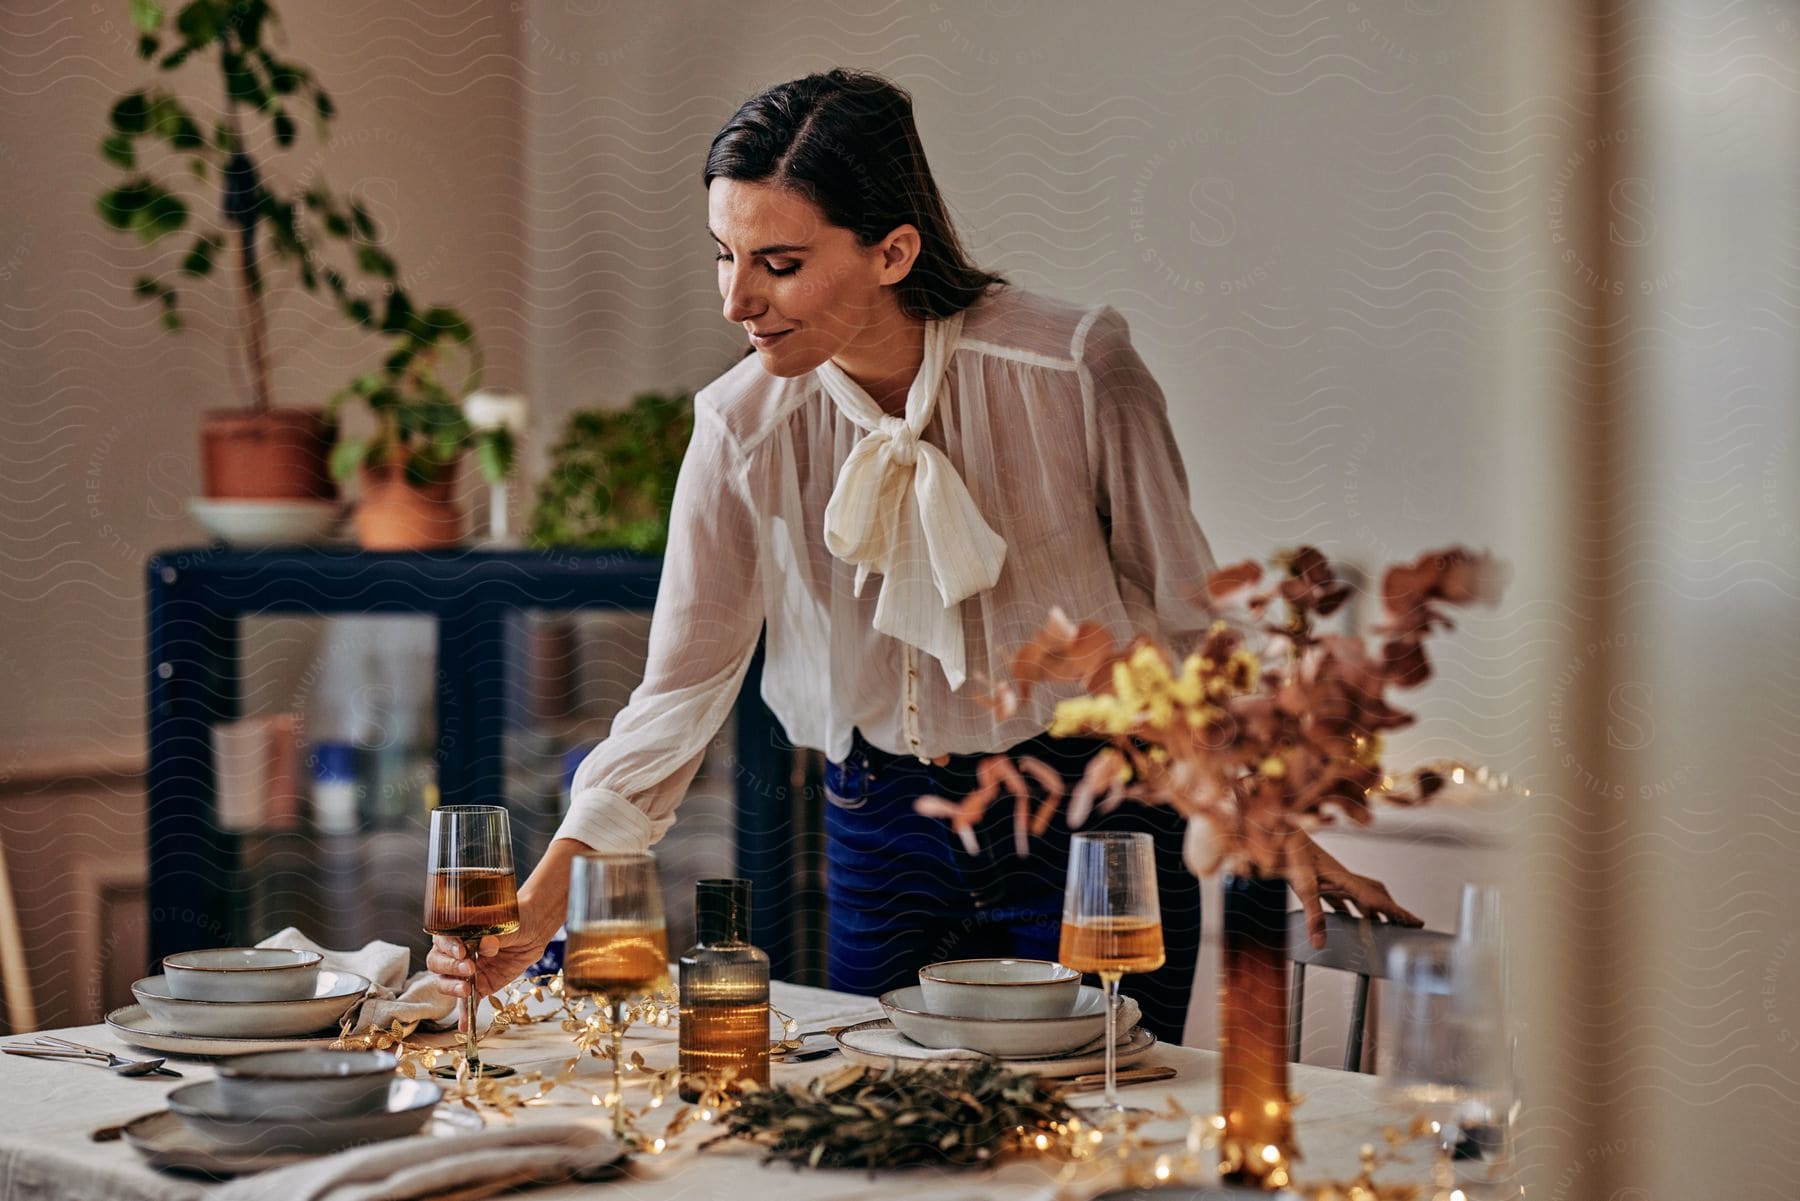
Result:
[{"x": 51, "y": 1042}]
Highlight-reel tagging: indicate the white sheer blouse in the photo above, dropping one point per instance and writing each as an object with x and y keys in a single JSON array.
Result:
[{"x": 1062, "y": 438}]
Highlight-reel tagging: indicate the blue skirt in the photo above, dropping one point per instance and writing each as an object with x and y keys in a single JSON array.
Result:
[{"x": 904, "y": 892}]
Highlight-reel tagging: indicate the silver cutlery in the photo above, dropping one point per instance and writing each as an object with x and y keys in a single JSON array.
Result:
[
  {"x": 128, "y": 1067},
  {"x": 804, "y": 1056},
  {"x": 793, "y": 1044},
  {"x": 57, "y": 1048},
  {"x": 794, "y": 1050},
  {"x": 113, "y": 1059},
  {"x": 1083, "y": 1084}
]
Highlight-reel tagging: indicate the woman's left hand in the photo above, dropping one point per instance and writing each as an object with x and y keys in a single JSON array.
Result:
[{"x": 1320, "y": 880}]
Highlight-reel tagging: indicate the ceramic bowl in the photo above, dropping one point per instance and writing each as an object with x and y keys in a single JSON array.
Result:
[
  {"x": 405, "y": 1107},
  {"x": 305, "y": 1084},
  {"x": 242, "y": 974},
  {"x": 265, "y": 522},
  {"x": 333, "y": 995},
  {"x": 1000, "y": 988},
  {"x": 1009, "y": 1038}
]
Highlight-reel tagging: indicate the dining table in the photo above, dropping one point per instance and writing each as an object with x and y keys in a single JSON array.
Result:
[{"x": 50, "y": 1110}]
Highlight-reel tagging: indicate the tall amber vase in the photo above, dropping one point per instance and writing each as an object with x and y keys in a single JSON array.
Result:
[{"x": 1253, "y": 1021}]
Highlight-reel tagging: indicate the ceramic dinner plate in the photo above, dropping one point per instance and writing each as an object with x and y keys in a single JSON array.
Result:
[
  {"x": 878, "y": 1044},
  {"x": 167, "y": 1141},
  {"x": 407, "y": 1109},
  {"x": 1005, "y": 1037},
  {"x": 135, "y": 1026},
  {"x": 333, "y": 995}
]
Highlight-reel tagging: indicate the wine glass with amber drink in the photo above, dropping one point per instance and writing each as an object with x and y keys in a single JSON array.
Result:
[
  {"x": 470, "y": 893},
  {"x": 1112, "y": 923},
  {"x": 618, "y": 946}
]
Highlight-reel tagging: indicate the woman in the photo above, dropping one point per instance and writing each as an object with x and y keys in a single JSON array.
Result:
[{"x": 915, "y": 464}]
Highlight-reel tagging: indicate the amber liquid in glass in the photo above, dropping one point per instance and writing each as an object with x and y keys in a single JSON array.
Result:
[
  {"x": 617, "y": 958},
  {"x": 471, "y": 903},
  {"x": 721, "y": 1036},
  {"x": 1120, "y": 945}
]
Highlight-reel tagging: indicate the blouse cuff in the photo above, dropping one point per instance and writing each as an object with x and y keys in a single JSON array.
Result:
[{"x": 607, "y": 822}]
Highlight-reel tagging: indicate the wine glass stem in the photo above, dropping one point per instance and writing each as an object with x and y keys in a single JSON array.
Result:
[
  {"x": 1111, "y": 981},
  {"x": 618, "y": 1070},
  {"x": 470, "y": 1003}
]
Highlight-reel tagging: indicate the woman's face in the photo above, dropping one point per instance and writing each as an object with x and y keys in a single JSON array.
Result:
[{"x": 804, "y": 289}]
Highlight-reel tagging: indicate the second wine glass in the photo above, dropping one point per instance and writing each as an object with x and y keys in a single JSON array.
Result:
[
  {"x": 1112, "y": 922},
  {"x": 618, "y": 945},
  {"x": 470, "y": 894}
]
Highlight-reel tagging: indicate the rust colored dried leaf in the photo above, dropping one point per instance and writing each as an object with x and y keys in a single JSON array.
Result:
[
  {"x": 1405, "y": 661},
  {"x": 1102, "y": 772},
  {"x": 1047, "y": 777},
  {"x": 1062, "y": 650},
  {"x": 1222, "y": 584},
  {"x": 998, "y": 697}
]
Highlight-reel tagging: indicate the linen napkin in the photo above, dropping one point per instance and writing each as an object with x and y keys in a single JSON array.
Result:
[
  {"x": 465, "y": 1167},
  {"x": 392, "y": 994},
  {"x": 889, "y": 1041}
]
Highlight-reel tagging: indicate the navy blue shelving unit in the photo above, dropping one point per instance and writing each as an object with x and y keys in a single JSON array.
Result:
[{"x": 197, "y": 600}]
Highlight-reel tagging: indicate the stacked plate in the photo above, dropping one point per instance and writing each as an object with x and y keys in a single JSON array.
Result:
[
  {"x": 1030, "y": 1013},
  {"x": 238, "y": 1000},
  {"x": 266, "y": 1110}
]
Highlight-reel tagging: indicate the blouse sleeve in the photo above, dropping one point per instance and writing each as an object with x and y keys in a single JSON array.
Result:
[
  {"x": 702, "y": 635},
  {"x": 1159, "y": 555}
]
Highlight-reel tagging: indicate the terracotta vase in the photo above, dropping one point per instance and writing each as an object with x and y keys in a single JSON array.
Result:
[
  {"x": 1253, "y": 1033},
  {"x": 281, "y": 454},
  {"x": 395, "y": 514}
]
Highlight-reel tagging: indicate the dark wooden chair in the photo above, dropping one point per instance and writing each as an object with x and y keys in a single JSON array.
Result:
[{"x": 1352, "y": 945}]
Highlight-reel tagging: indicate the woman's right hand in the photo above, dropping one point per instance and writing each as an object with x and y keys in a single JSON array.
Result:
[
  {"x": 543, "y": 900},
  {"x": 501, "y": 960}
]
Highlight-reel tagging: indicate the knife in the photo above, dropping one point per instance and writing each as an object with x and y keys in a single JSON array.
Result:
[{"x": 1088, "y": 1084}]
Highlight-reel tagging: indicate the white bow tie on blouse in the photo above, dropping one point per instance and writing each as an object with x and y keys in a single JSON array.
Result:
[{"x": 900, "y": 509}]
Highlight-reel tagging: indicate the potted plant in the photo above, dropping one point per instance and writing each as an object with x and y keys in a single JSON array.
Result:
[
  {"x": 612, "y": 476},
  {"x": 407, "y": 466},
  {"x": 307, "y": 238}
]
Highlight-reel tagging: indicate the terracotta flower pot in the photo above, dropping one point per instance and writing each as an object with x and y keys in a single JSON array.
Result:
[
  {"x": 283, "y": 454},
  {"x": 394, "y": 514}
]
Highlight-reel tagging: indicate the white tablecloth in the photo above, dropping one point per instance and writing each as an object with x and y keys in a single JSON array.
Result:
[{"x": 48, "y": 1110}]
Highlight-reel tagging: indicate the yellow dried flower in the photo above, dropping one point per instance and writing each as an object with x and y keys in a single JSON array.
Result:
[
  {"x": 1189, "y": 687},
  {"x": 1124, "y": 687},
  {"x": 1160, "y": 712},
  {"x": 1242, "y": 669}
]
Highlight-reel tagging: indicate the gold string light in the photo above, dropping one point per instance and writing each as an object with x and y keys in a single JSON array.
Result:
[{"x": 1119, "y": 1146}]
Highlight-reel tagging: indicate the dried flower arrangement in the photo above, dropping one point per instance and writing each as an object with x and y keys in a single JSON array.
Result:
[{"x": 1267, "y": 729}]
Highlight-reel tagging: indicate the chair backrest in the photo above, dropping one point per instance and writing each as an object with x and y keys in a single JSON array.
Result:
[
  {"x": 15, "y": 980},
  {"x": 1354, "y": 945}
]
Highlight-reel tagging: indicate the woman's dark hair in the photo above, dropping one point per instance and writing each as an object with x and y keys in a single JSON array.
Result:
[{"x": 846, "y": 141}]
